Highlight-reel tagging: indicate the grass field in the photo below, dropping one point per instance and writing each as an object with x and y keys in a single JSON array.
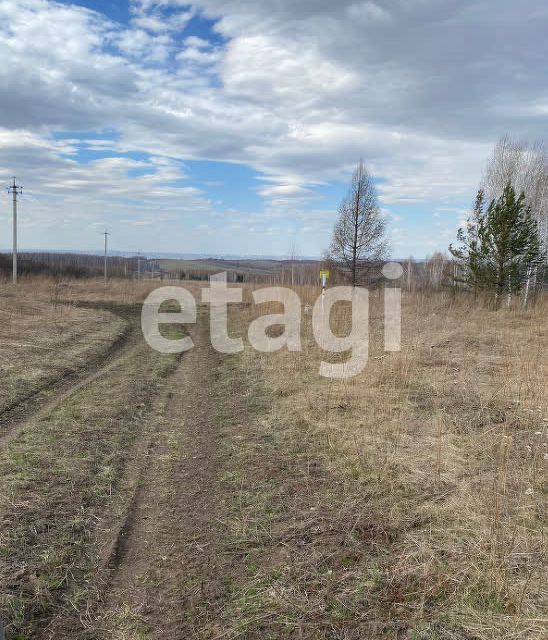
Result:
[
  {"x": 213, "y": 496},
  {"x": 249, "y": 266}
]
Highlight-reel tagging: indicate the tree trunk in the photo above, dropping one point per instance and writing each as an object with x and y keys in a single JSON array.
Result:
[{"x": 527, "y": 287}]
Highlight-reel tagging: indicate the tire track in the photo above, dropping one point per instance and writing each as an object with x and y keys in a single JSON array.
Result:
[
  {"x": 14, "y": 420},
  {"x": 166, "y": 569}
]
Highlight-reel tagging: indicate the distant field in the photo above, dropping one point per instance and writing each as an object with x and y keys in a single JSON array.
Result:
[
  {"x": 248, "y": 269},
  {"x": 251, "y": 266}
]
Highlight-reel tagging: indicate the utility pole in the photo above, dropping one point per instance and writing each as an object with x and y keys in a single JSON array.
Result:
[
  {"x": 106, "y": 234},
  {"x": 139, "y": 265},
  {"x": 15, "y": 190}
]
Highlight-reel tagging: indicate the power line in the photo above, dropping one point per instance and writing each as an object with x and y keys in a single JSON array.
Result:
[{"x": 15, "y": 190}]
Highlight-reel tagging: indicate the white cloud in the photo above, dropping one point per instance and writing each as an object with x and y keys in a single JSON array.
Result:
[
  {"x": 199, "y": 55},
  {"x": 198, "y": 43},
  {"x": 285, "y": 190},
  {"x": 298, "y": 91},
  {"x": 368, "y": 12},
  {"x": 158, "y": 24},
  {"x": 136, "y": 43},
  {"x": 149, "y": 16}
]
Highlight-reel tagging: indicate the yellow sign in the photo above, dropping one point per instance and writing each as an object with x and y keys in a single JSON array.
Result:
[{"x": 324, "y": 274}]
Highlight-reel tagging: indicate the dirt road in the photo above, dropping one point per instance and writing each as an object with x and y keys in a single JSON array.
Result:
[
  {"x": 148, "y": 560},
  {"x": 167, "y": 573}
]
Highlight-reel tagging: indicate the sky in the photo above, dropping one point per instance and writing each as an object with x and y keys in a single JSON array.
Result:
[{"x": 233, "y": 126}]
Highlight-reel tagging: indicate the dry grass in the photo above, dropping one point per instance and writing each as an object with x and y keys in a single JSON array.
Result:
[
  {"x": 125, "y": 291},
  {"x": 433, "y": 457},
  {"x": 404, "y": 503},
  {"x": 43, "y": 340}
]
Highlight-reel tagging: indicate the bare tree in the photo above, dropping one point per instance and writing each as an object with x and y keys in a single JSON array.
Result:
[
  {"x": 436, "y": 270},
  {"x": 359, "y": 234},
  {"x": 525, "y": 167},
  {"x": 410, "y": 270},
  {"x": 293, "y": 255}
]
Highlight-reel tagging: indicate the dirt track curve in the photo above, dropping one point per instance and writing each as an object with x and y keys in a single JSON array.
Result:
[{"x": 45, "y": 400}]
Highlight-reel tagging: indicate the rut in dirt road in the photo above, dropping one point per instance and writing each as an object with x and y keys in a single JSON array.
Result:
[
  {"x": 167, "y": 571},
  {"x": 14, "y": 419}
]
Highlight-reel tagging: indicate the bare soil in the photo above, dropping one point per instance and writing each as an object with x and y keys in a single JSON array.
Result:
[{"x": 167, "y": 574}]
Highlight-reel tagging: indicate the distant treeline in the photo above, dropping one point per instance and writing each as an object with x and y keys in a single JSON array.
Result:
[
  {"x": 69, "y": 265},
  {"x": 78, "y": 265},
  {"x": 436, "y": 272}
]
